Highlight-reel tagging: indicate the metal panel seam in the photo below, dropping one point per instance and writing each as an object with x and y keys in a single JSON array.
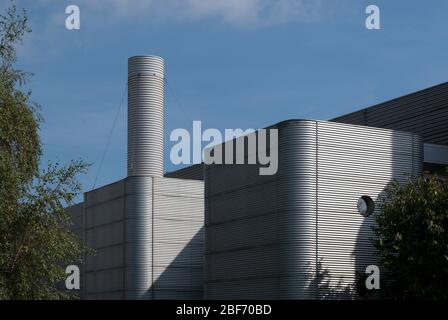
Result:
[{"x": 152, "y": 237}]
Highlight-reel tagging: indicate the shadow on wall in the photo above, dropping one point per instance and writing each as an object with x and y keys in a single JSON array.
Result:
[
  {"x": 182, "y": 278},
  {"x": 405, "y": 164},
  {"x": 346, "y": 279},
  {"x": 327, "y": 289},
  {"x": 365, "y": 243}
]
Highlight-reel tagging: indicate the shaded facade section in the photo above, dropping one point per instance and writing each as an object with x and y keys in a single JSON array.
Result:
[
  {"x": 76, "y": 213},
  {"x": 147, "y": 234},
  {"x": 423, "y": 112},
  {"x": 298, "y": 234},
  {"x": 194, "y": 172}
]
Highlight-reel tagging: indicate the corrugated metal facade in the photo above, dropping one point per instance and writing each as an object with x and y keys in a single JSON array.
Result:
[
  {"x": 145, "y": 115},
  {"x": 298, "y": 234},
  {"x": 194, "y": 172},
  {"x": 148, "y": 236},
  {"x": 353, "y": 161},
  {"x": 178, "y": 239},
  {"x": 424, "y": 112},
  {"x": 105, "y": 224},
  {"x": 76, "y": 213}
]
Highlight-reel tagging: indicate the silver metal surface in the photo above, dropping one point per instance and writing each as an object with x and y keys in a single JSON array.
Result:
[
  {"x": 178, "y": 241},
  {"x": 104, "y": 232},
  {"x": 148, "y": 236},
  {"x": 299, "y": 234},
  {"x": 145, "y": 115},
  {"x": 354, "y": 161},
  {"x": 147, "y": 230},
  {"x": 260, "y": 230},
  {"x": 424, "y": 112},
  {"x": 139, "y": 237}
]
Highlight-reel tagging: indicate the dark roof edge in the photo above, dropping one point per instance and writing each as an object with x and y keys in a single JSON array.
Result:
[{"x": 391, "y": 100}]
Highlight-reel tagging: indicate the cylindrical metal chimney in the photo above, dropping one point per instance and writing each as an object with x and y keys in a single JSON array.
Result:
[{"x": 145, "y": 116}]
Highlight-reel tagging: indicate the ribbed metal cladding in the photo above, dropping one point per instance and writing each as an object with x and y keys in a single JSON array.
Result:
[
  {"x": 298, "y": 234},
  {"x": 147, "y": 233},
  {"x": 104, "y": 232},
  {"x": 77, "y": 215},
  {"x": 139, "y": 237},
  {"x": 164, "y": 241},
  {"x": 296, "y": 196},
  {"x": 353, "y": 161},
  {"x": 423, "y": 112},
  {"x": 178, "y": 241},
  {"x": 261, "y": 230},
  {"x": 194, "y": 172},
  {"x": 145, "y": 115}
]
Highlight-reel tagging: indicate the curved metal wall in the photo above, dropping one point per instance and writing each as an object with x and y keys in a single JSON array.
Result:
[
  {"x": 139, "y": 237},
  {"x": 145, "y": 115},
  {"x": 298, "y": 235},
  {"x": 296, "y": 209},
  {"x": 261, "y": 230}
]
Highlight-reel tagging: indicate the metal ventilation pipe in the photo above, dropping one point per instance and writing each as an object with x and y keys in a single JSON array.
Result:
[{"x": 145, "y": 116}]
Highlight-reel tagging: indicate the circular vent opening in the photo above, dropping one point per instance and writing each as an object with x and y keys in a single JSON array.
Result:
[{"x": 366, "y": 206}]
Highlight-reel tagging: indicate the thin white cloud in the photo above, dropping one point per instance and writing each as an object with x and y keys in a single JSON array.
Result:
[
  {"x": 234, "y": 12},
  {"x": 47, "y": 17}
]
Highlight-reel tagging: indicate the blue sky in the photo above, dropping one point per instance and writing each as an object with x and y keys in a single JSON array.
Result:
[{"x": 230, "y": 63}]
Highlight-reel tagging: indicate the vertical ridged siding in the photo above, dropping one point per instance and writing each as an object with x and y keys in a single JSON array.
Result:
[
  {"x": 145, "y": 115},
  {"x": 298, "y": 235},
  {"x": 424, "y": 112}
]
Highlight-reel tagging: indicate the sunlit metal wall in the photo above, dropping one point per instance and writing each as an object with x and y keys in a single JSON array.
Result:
[
  {"x": 178, "y": 240},
  {"x": 353, "y": 161},
  {"x": 298, "y": 235},
  {"x": 147, "y": 233},
  {"x": 146, "y": 230},
  {"x": 145, "y": 115}
]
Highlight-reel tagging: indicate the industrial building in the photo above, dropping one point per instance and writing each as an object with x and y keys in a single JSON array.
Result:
[
  {"x": 225, "y": 232},
  {"x": 298, "y": 234},
  {"x": 147, "y": 229}
]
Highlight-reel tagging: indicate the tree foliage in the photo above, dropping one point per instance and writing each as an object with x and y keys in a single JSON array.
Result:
[
  {"x": 412, "y": 239},
  {"x": 35, "y": 238}
]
